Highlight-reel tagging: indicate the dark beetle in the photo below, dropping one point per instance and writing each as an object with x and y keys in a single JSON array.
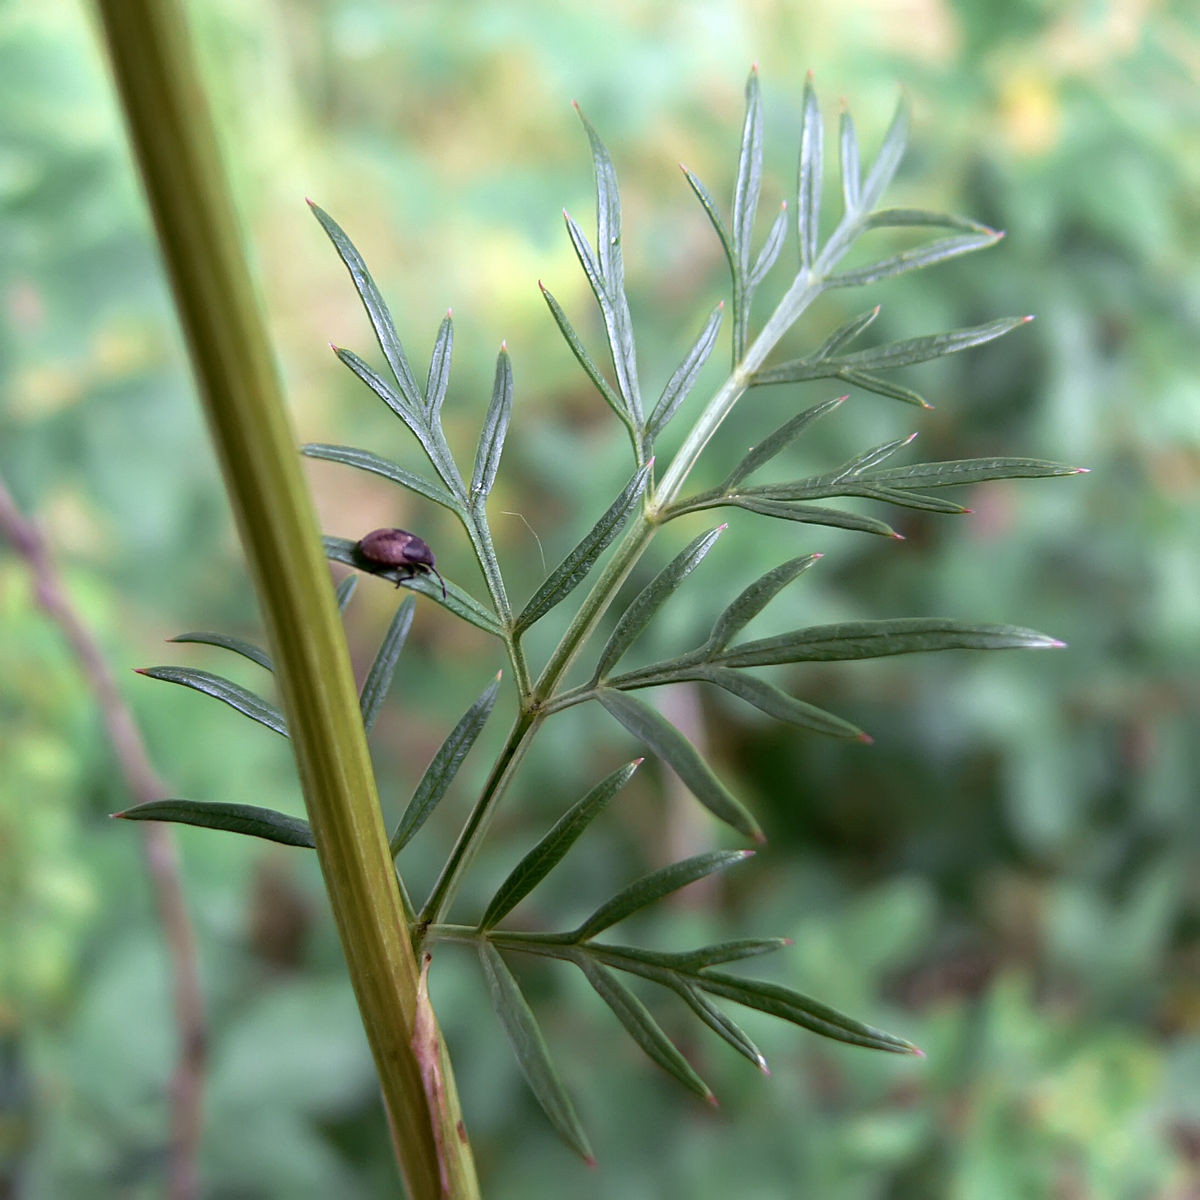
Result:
[{"x": 398, "y": 548}]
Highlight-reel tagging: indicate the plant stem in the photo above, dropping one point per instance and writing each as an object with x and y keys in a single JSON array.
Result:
[{"x": 159, "y": 81}]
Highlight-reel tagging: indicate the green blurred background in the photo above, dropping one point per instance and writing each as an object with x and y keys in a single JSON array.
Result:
[{"x": 1008, "y": 876}]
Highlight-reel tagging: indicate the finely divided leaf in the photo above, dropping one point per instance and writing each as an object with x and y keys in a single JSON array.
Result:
[
  {"x": 233, "y": 818},
  {"x": 681, "y": 383},
  {"x": 801, "y": 1010},
  {"x": 878, "y": 639},
  {"x": 563, "y": 580},
  {"x": 441, "y": 772},
  {"x": 755, "y": 598},
  {"x": 779, "y": 440},
  {"x": 649, "y": 726},
  {"x": 379, "y": 678},
  {"x": 546, "y": 855},
  {"x": 439, "y": 370},
  {"x": 808, "y": 212},
  {"x": 237, "y": 645},
  {"x": 236, "y": 696},
  {"x": 642, "y": 1027},
  {"x": 495, "y": 429},
  {"x": 653, "y": 887},
  {"x": 377, "y": 310},
  {"x": 364, "y": 460},
  {"x": 529, "y": 1046},
  {"x": 456, "y": 600},
  {"x": 648, "y": 601}
]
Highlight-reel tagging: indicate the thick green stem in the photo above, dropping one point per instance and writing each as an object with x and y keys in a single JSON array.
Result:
[{"x": 158, "y": 79}]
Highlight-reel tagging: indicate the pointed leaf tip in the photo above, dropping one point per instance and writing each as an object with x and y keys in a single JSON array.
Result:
[
  {"x": 760, "y": 839},
  {"x": 866, "y": 739},
  {"x": 712, "y": 1099},
  {"x": 590, "y": 1162}
]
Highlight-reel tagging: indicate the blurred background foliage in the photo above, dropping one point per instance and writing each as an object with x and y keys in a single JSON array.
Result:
[{"x": 1008, "y": 876}]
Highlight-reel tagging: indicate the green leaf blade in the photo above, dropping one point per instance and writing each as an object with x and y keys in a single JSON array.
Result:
[
  {"x": 495, "y": 430},
  {"x": 850, "y": 162},
  {"x": 237, "y": 697},
  {"x": 812, "y": 514},
  {"x": 345, "y": 590},
  {"x": 684, "y": 378},
  {"x": 776, "y": 236},
  {"x": 783, "y": 437},
  {"x": 714, "y": 215},
  {"x": 656, "y": 732},
  {"x": 915, "y": 259},
  {"x": 652, "y": 597},
  {"x": 379, "y": 677},
  {"x": 653, "y": 887},
  {"x": 887, "y": 161},
  {"x": 377, "y": 310},
  {"x": 969, "y": 470},
  {"x": 755, "y": 598},
  {"x": 798, "y": 1009},
  {"x": 614, "y": 401},
  {"x": 749, "y": 176},
  {"x": 549, "y": 852},
  {"x": 225, "y": 642},
  {"x": 246, "y": 819},
  {"x": 845, "y": 334},
  {"x": 778, "y": 704},
  {"x": 439, "y": 369},
  {"x": 573, "y": 569},
  {"x": 533, "y": 1055},
  {"x": 923, "y": 349},
  {"x": 440, "y": 773},
  {"x": 853, "y": 640},
  {"x": 364, "y": 460},
  {"x": 808, "y": 210},
  {"x": 642, "y": 1027}
]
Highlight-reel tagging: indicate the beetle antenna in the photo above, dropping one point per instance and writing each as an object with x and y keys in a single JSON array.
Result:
[{"x": 440, "y": 580}]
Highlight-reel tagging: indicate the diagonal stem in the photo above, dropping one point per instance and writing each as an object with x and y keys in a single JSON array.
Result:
[{"x": 158, "y": 78}]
